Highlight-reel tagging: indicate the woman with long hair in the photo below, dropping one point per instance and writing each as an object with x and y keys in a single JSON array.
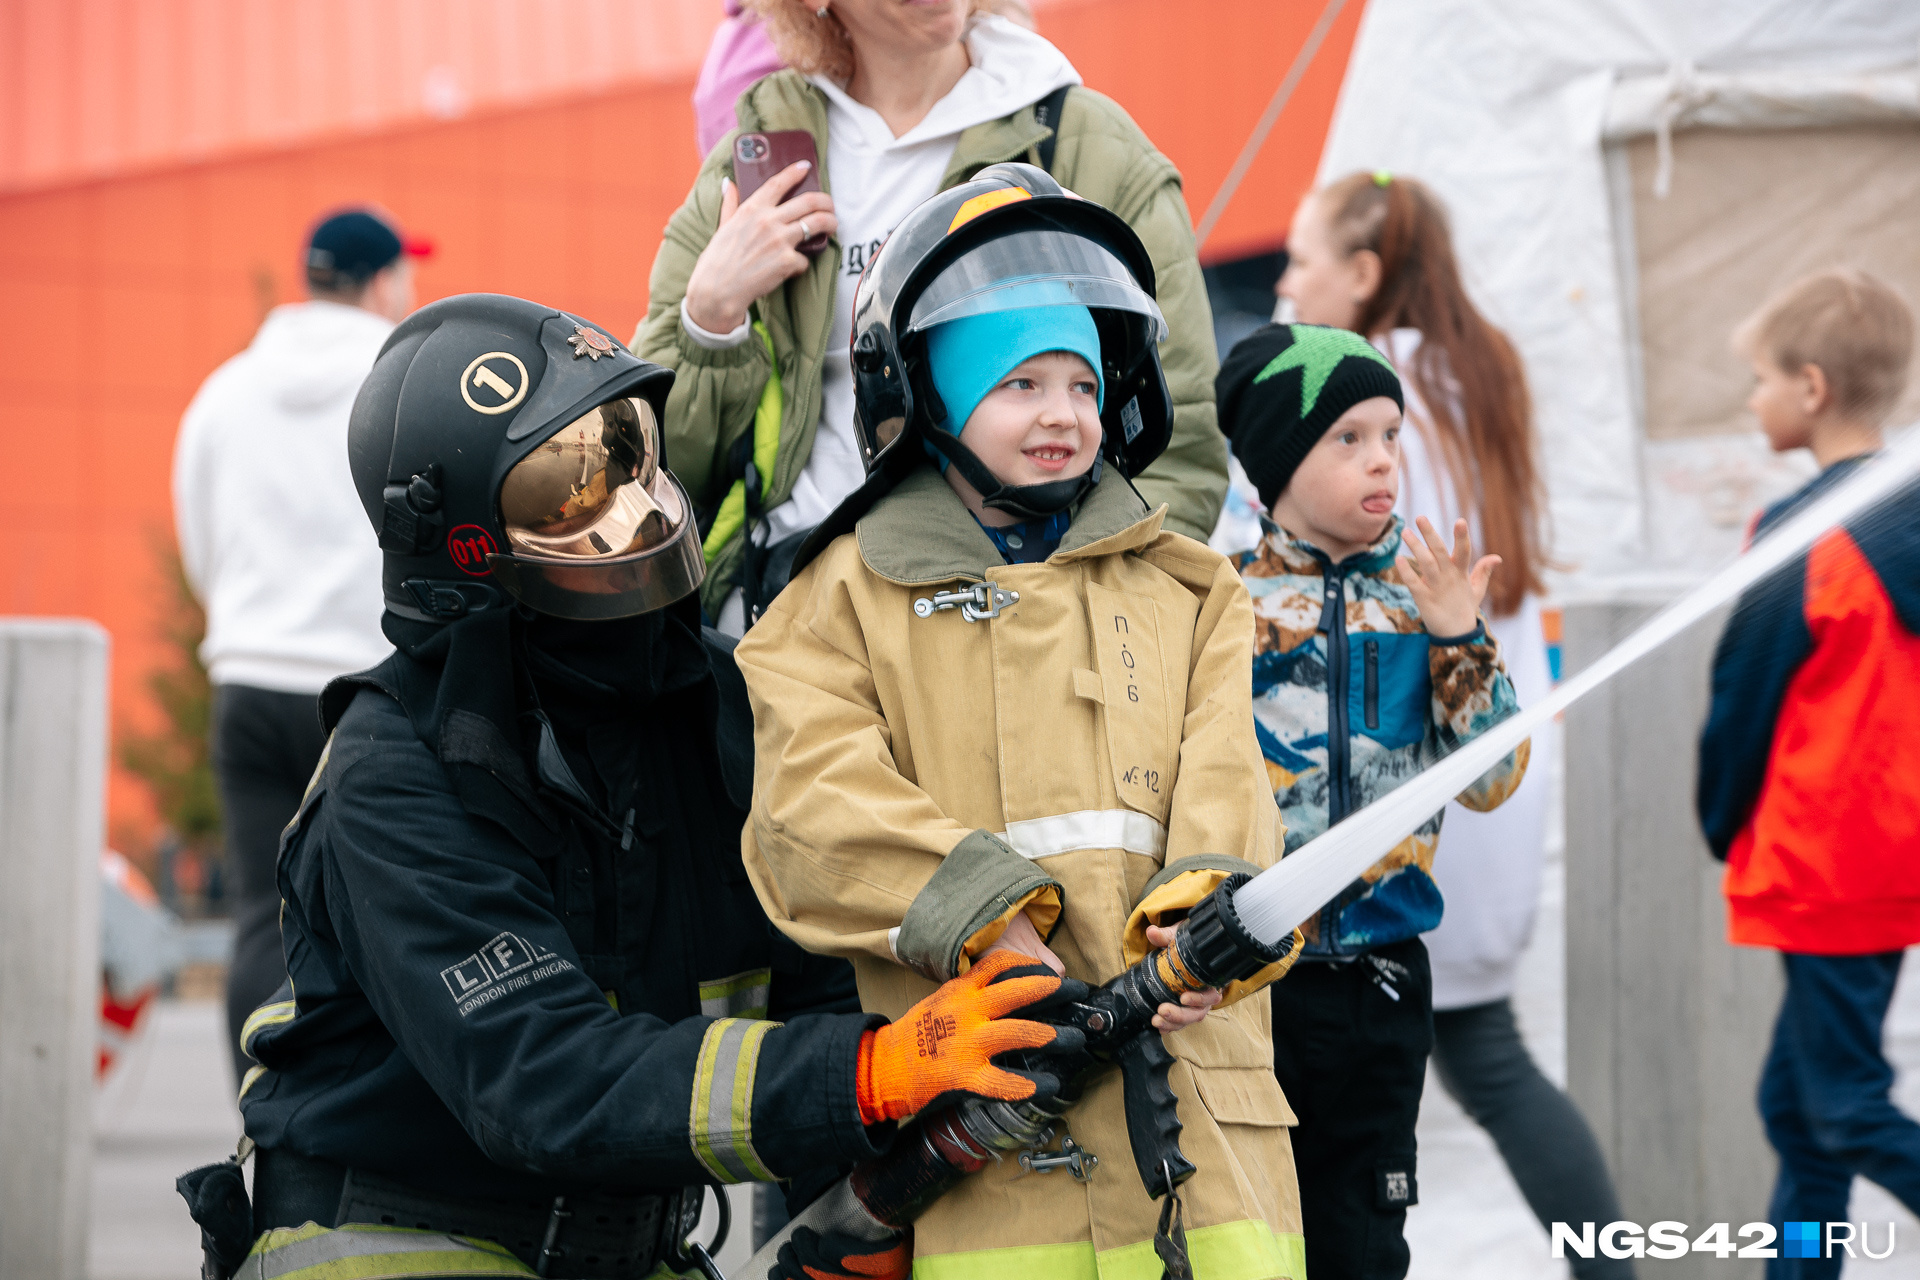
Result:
[
  {"x": 902, "y": 101},
  {"x": 1373, "y": 252}
]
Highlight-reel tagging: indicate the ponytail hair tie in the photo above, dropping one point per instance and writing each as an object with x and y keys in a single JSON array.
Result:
[{"x": 1382, "y": 177}]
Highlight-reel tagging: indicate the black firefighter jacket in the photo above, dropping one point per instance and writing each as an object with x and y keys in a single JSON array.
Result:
[{"x": 491, "y": 996}]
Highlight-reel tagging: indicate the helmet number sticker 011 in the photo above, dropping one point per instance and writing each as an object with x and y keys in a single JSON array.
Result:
[
  {"x": 470, "y": 545},
  {"x": 494, "y": 382}
]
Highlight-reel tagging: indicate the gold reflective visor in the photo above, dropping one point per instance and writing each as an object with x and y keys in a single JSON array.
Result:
[
  {"x": 596, "y": 527},
  {"x": 593, "y": 489}
]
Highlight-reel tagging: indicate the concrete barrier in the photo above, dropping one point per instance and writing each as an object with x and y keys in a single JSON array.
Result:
[
  {"x": 53, "y": 757},
  {"x": 1667, "y": 1024}
]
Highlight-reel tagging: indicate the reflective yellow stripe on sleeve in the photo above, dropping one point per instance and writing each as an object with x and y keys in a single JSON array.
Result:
[
  {"x": 720, "y": 1120},
  {"x": 744, "y": 995},
  {"x": 267, "y": 1015},
  {"x": 367, "y": 1252},
  {"x": 319, "y": 770}
]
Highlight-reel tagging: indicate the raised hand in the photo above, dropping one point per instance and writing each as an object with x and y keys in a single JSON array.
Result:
[
  {"x": 755, "y": 248},
  {"x": 1447, "y": 585}
]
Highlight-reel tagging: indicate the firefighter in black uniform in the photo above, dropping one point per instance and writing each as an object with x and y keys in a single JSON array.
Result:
[{"x": 533, "y": 1004}]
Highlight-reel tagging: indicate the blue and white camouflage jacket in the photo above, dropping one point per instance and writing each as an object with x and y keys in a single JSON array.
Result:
[{"x": 1351, "y": 698}]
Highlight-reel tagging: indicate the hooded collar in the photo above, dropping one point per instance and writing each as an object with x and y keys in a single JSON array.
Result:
[
  {"x": 1297, "y": 555},
  {"x": 1011, "y": 67},
  {"x": 319, "y": 351},
  {"x": 788, "y": 100},
  {"x": 921, "y": 532}
]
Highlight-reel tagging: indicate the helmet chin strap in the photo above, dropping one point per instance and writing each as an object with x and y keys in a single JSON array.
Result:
[{"x": 1026, "y": 501}]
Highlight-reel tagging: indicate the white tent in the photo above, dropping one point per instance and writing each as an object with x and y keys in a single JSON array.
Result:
[{"x": 1628, "y": 179}]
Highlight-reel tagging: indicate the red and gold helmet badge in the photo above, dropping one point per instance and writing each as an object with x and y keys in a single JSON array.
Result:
[{"x": 590, "y": 342}]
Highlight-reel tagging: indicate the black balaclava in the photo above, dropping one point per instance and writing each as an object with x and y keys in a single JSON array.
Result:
[{"x": 499, "y": 663}]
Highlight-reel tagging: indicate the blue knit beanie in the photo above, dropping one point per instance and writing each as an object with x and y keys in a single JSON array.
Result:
[{"x": 968, "y": 357}]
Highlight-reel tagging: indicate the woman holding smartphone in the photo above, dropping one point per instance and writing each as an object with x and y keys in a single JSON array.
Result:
[{"x": 900, "y": 100}]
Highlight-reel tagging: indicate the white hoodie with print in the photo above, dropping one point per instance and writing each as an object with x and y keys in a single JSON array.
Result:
[
  {"x": 876, "y": 180},
  {"x": 272, "y": 535}
]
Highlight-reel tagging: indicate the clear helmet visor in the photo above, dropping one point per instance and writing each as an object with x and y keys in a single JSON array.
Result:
[
  {"x": 596, "y": 527},
  {"x": 1037, "y": 268}
]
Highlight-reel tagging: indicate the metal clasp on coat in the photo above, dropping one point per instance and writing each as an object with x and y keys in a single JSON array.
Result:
[
  {"x": 981, "y": 600},
  {"x": 1071, "y": 1156}
]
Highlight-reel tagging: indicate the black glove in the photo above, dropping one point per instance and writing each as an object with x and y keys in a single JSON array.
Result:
[{"x": 810, "y": 1255}]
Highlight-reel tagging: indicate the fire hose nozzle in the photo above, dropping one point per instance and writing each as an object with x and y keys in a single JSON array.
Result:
[{"x": 1214, "y": 948}]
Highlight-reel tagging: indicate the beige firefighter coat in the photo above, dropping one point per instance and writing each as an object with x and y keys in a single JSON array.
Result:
[{"x": 919, "y": 779}]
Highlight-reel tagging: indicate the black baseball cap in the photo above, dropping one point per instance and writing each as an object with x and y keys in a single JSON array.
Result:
[{"x": 349, "y": 246}]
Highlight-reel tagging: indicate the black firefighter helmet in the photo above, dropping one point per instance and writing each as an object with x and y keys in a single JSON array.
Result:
[
  {"x": 508, "y": 451},
  {"x": 1011, "y": 237}
]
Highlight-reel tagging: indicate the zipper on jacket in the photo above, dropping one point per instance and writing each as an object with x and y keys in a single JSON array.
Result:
[
  {"x": 1370, "y": 683},
  {"x": 1333, "y": 622}
]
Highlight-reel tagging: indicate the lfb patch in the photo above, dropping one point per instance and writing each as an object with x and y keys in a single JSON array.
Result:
[
  {"x": 1395, "y": 1187},
  {"x": 506, "y": 964}
]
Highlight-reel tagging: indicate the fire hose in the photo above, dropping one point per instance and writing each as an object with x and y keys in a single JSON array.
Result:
[
  {"x": 933, "y": 1152},
  {"x": 1246, "y": 924}
]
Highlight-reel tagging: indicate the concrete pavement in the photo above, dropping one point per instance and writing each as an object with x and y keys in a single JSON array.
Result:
[{"x": 169, "y": 1108}]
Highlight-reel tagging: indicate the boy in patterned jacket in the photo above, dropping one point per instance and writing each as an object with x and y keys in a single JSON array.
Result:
[{"x": 1369, "y": 664}]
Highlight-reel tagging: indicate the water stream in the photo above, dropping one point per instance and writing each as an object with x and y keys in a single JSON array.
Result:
[{"x": 1294, "y": 889}]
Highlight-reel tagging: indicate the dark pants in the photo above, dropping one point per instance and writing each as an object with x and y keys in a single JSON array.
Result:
[
  {"x": 1546, "y": 1143},
  {"x": 265, "y": 747},
  {"x": 1352, "y": 1060},
  {"x": 1823, "y": 1098}
]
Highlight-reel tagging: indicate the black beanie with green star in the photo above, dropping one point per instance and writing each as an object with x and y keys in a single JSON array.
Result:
[{"x": 1283, "y": 385}]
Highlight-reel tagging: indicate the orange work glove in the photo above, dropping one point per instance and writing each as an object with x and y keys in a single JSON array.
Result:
[
  {"x": 946, "y": 1043},
  {"x": 814, "y": 1255}
]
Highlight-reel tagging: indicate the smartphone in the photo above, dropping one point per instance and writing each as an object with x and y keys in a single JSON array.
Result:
[{"x": 758, "y": 156}]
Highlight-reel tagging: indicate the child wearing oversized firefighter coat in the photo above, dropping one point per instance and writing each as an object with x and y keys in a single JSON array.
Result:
[{"x": 1008, "y": 710}]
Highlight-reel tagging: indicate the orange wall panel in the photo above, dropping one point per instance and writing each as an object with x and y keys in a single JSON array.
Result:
[
  {"x": 1197, "y": 76},
  {"x": 96, "y": 87},
  {"x": 123, "y": 293}
]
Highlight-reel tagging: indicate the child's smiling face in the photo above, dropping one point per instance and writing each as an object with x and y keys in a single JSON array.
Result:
[
  {"x": 1039, "y": 424},
  {"x": 1342, "y": 495}
]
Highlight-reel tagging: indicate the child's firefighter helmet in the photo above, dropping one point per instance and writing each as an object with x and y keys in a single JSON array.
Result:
[
  {"x": 508, "y": 451},
  {"x": 1009, "y": 239}
]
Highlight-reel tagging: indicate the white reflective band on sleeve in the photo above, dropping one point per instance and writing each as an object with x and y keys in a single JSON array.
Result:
[
  {"x": 720, "y": 1121},
  {"x": 744, "y": 995},
  {"x": 1088, "y": 829},
  {"x": 893, "y": 941}
]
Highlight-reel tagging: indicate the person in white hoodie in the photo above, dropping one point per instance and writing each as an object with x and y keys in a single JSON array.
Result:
[
  {"x": 903, "y": 99},
  {"x": 276, "y": 547}
]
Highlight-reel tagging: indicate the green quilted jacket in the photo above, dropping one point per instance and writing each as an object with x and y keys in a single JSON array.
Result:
[{"x": 1101, "y": 154}]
